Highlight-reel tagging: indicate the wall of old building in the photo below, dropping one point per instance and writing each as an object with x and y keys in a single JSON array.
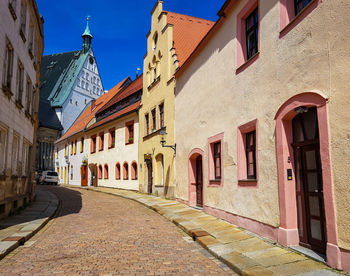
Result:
[
  {"x": 158, "y": 89},
  {"x": 18, "y": 115},
  {"x": 215, "y": 96}
]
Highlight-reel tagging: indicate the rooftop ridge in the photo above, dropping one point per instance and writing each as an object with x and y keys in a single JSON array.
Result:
[
  {"x": 56, "y": 54},
  {"x": 195, "y": 17}
]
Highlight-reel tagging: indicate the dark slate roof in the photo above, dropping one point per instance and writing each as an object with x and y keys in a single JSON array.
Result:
[
  {"x": 47, "y": 116},
  {"x": 52, "y": 68}
]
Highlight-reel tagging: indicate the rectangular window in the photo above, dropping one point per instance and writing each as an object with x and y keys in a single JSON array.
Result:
[
  {"x": 33, "y": 102},
  {"x": 82, "y": 145},
  {"x": 161, "y": 115},
  {"x": 31, "y": 38},
  {"x": 250, "y": 155},
  {"x": 129, "y": 132},
  {"x": 93, "y": 144},
  {"x": 252, "y": 29},
  {"x": 146, "y": 124},
  {"x": 299, "y": 5},
  {"x": 65, "y": 150},
  {"x": 111, "y": 142},
  {"x": 20, "y": 75},
  {"x": 23, "y": 20},
  {"x": 15, "y": 146},
  {"x": 71, "y": 148},
  {"x": 101, "y": 142},
  {"x": 8, "y": 66},
  {"x": 28, "y": 95},
  {"x": 154, "y": 126},
  {"x": 75, "y": 147},
  {"x": 247, "y": 160},
  {"x": 217, "y": 160},
  {"x": 3, "y": 150},
  {"x": 25, "y": 159}
]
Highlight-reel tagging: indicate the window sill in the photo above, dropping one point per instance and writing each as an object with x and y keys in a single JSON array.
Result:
[
  {"x": 93, "y": 152},
  {"x": 154, "y": 133},
  {"x": 22, "y": 36},
  {"x": 100, "y": 150},
  {"x": 12, "y": 11},
  {"x": 298, "y": 18},
  {"x": 246, "y": 64},
  {"x": 129, "y": 143},
  {"x": 7, "y": 91},
  {"x": 19, "y": 104},
  {"x": 125, "y": 178},
  {"x": 154, "y": 83},
  {"x": 248, "y": 183},
  {"x": 111, "y": 147},
  {"x": 215, "y": 183}
]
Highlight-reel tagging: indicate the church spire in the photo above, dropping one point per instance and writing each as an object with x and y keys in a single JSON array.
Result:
[{"x": 87, "y": 37}]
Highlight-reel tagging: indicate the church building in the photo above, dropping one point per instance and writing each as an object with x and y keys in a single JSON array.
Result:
[{"x": 69, "y": 81}]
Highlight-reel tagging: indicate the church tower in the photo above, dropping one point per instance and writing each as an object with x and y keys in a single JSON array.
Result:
[{"x": 87, "y": 37}]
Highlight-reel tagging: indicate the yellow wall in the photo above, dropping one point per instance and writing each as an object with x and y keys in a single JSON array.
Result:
[{"x": 156, "y": 91}]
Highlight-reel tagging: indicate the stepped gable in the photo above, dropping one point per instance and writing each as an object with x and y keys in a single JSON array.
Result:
[
  {"x": 91, "y": 109},
  {"x": 188, "y": 31}
]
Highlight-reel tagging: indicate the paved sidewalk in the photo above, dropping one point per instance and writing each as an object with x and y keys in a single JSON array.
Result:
[
  {"x": 245, "y": 253},
  {"x": 17, "y": 229}
]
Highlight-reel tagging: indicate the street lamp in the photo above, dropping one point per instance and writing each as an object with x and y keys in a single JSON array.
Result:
[{"x": 163, "y": 142}]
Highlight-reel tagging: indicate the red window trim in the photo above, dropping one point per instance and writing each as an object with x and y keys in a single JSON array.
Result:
[
  {"x": 126, "y": 175},
  {"x": 101, "y": 142},
  {"x": 241, "y": 49},
  {"x": 242, "y": 130},
  {"x": 288, "y": 20},
  {"x": 117, "y": 167},
  {"x": 93, "y": 144},
  {"x": 211, "y": 173},
  {"x": 105, "y": 168},
  {"x": 127, "y": 138},
  {"x": 110, "y": 131},
  {"x": 134, "y": 175}
]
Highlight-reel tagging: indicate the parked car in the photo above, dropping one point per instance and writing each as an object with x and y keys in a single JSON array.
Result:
[{"x": 49, "y": 177}]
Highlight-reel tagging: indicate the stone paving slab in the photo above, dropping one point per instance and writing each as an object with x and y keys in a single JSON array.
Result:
[
  {"x": 17, "y": 229},
  {"x": 245, "y": 253}
]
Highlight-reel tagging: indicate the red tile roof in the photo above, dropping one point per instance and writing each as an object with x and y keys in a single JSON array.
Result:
[
  {"x": 133, "y": 87},
  {"x": 88, "y": 114},
  {"x": 116, "y": 115},
  {"x": 188, "y": 31}
]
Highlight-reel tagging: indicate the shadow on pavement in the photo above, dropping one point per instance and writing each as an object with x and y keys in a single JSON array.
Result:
[{"x": 44, "y": 206}]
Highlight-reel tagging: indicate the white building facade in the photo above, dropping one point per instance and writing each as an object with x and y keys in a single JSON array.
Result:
[{"x": 21, "y": 48}]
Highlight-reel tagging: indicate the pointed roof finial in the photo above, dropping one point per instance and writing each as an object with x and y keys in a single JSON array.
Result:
[{"x": 87, "y": 29}]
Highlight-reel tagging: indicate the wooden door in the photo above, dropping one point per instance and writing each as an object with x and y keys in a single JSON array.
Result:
[
  {"x": 150, "y": 176},
  {"x": 199, "y": 182},
  {"x": 309, "y": 184},
  {"x": 84, "y": 175}
]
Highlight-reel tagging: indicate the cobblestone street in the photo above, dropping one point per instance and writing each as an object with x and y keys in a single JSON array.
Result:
[{"x": 96, "y": 233}]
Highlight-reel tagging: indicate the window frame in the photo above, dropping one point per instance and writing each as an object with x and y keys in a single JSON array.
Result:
[
  {"x": 125, "y": 171},
  {"x": 254, "y": 30},
  {"x": 93, "y": 143},
  {"x": 117, "y": 171},
  {"x": 134, "y": 175},
  {"x": 8, "y": 66},
  {"x": 242, "y": 159},
  {"x": 127, "y": 133},
  {"x": 147, "y": 130},
  {"x": 81, "y": 144},
  {"x": 111, "y": 138},
  {"x": 20, "y": 80},
  {"x": 154, "y": 119},
  {"x": 101, "y": 141},
  {"x": 105, "y": 171},
  {"x": 212, "y": 180},
  {"x": 99, "y": 174},
  {"x": 161, "y": 115},
  {"x": 241, "y": 48}
]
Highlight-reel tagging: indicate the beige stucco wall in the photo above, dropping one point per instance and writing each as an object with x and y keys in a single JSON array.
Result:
[
  {"x": 161, "y": 92},
  {"x": 120, "y": 153},
  {"x": 211, "y": 98}
]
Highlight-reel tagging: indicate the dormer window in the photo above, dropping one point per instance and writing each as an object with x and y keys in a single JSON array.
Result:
[{"x": 155, "y": 40}]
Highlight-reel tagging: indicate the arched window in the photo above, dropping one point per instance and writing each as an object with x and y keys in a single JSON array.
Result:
[
  {"x": 155, "y": 41},
  {"x": 100, "y": 172},
  {"x": 106, "y": 172},
  {"x": 117, "y": 171},
  {"x": 134, "y": 170},
  {"x": 125, "y": 171}
]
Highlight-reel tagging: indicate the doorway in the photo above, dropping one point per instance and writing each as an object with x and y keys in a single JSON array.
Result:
[
  {"x": 84, "y": 175},
  {"x": 309, "y": 183},
  {"x": 199, "y": 181},
  {"x": 150, "y": 176}
]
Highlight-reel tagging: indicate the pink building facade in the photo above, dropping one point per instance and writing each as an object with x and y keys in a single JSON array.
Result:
[
  {"x": 262, "y": 126},
  {"x": 21, "y": 48}
]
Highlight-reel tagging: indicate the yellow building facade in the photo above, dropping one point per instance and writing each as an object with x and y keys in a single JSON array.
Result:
[
  {"x": 157, "y": 111},
  {"x": 171, "y": 40}
]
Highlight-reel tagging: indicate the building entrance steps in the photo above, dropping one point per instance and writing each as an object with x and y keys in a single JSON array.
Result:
[
  {"x": 245, "y": 253},
  {"x": 17, "y": 229}
]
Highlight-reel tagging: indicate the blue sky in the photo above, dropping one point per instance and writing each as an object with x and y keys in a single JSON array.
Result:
[{"x": 119, "y": 29}]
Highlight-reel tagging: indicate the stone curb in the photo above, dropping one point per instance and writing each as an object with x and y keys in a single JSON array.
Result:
[
  {"x": 28, "y": 229},
  {"x": 239, "y": 260}
]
